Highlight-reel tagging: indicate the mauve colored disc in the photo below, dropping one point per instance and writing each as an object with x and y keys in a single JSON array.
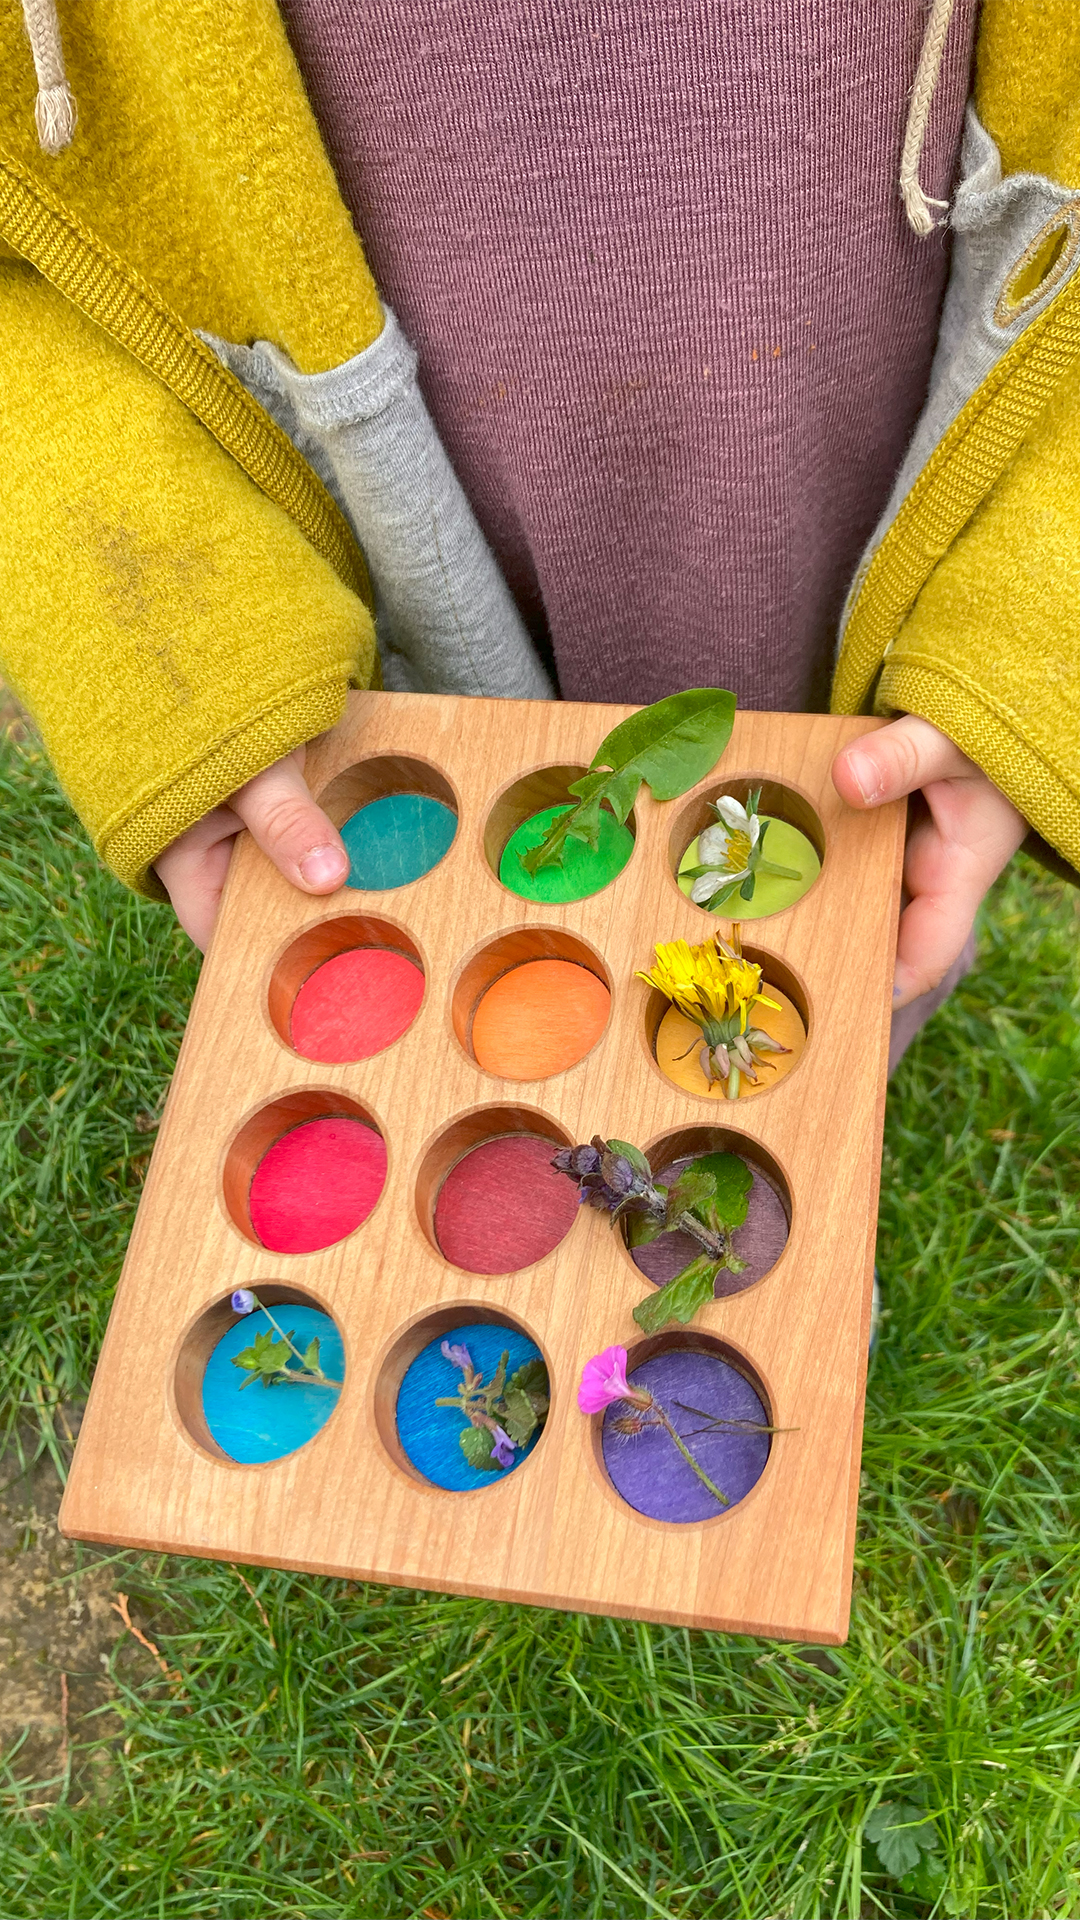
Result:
[
  {"x": 356, "y": 1004},
  {"x": 759, "y": 1241},
  {"x": 503, "y": 1205},
  {"x": 648, "y": 1469},
  {"x": 316, "y": 1184}
]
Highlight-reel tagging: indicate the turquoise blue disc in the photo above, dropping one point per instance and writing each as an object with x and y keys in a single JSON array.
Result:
[
  {"x": 263, "y": 1423},
  {"x": 582, "y": 871},
  {"x": 429, "y": 1434},
  {"x": 397, "y": 839}
]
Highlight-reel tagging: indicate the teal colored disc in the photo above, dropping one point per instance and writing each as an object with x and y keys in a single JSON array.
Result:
[
  {"x": 772, "y": 893},
  {"x": 397, "y": 839},
  {"x": 582, "y": 871},
  {"x": 255, "y": 1423}
]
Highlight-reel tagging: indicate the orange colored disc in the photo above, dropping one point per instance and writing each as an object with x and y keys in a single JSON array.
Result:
[
  {"x": 539, "y": 1019},
  {"x": 679, "y": 1043}
]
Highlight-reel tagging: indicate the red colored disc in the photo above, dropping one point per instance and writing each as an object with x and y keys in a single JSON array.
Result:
[
  {"x": 503, "y": 1205},
  {"x": 356, "y": 1004},
  {"x": 317, "y": 1183}
]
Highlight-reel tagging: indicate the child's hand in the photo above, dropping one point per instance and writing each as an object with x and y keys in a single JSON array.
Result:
[
  {"x": 281, "y": 815},
  {"x": 956, "y": 847}
]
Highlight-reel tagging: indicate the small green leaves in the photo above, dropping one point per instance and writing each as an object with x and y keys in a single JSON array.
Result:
[
  {"x": 311, "y": 1356},
  {"x": 265, "y": 1357},
  {"x": 478, "y": 1446},
  {"x": 681, "y": 1298},
  {"x": 669, "y": 745}
]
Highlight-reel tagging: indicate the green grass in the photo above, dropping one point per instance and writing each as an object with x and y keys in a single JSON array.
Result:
[{"x": 328, "y": 1749}]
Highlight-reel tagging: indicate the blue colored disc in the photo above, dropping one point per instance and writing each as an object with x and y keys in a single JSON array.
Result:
[
  {"x": 397, "y": 839},
  {"x": 256, "y": 1423},
  {"x": 429, "y": 1434}
]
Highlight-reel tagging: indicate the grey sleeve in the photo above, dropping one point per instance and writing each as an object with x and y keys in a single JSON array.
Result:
[{"x": 446, "y": 621}]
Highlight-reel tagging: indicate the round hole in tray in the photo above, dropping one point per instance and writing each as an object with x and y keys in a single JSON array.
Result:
[
  {"x": 425, "y": 1439},
  {"x": 251, "y": 1424},
  {"x": 397, "y": 816},
  {"x": 531, "y": 1003},
  {"x": 304, "y": 1172},
  {"x": 488, "y": 1197},
  {"x": 674, "y": 1041},
  {"x": 516, "y": 823},
  {"x": 688, "y": 1370},
  {"x": 346, "y": 988},
  {"x": 759, "y": 1241},
  {"x": 794, "y": 838}
]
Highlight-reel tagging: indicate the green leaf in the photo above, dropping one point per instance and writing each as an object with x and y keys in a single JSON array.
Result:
[
  {"x": 747, "y": 888},
  {"x": 693, "y": 1189},
  {"x": 311, "y": 1357},
  {"x": 477, "y": 1444},
  {"x": 531, "y": 1377},
  {"x": 927, "y": 1879},
  {"x": 895, "y": 1829},
  {"x": 720, "y": 899},
  {"x": 674, "y": 742},
  {"x": 519, "y": 1420},
  {"x": 681, "y": 1298},
  {"x": 642, "y": 1229},
  {"x": 620, "y": 792},
  {"x": 267, "y": 1354},
  {"x": 670, "y": 744},
  {"x": 732, "y": 1181},
  {"x": 634, "y": 1155}
]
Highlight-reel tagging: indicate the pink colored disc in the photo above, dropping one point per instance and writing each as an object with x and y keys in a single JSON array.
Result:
[
  {"x": 356, "y": 1004},
  {"x": 316, "y": 1184},
  {"x": 503, "y": 1205}
]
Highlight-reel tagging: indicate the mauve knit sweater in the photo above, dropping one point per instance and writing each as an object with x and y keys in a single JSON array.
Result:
[{"x": 673, "y": 327}]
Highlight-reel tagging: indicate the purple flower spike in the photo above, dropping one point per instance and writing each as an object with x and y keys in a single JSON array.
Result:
[
  {"x": 503, "y": 1449},
  {"x": 458, "y": 1357},
  {"x": 244, "y": 1301}
]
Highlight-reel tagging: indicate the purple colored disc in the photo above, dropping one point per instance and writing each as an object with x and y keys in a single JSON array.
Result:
[
  {"x": 648, "y": 1469},
  {"x": 759, "y": 1241}
]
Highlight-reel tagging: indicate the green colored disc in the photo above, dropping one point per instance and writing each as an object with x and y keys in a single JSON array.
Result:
[
  {"x": 582, "y": 871},
  {"x": 789, "y": 848}
]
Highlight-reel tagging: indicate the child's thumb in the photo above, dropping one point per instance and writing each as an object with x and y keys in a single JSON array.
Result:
[{"x": 281, "y": 816}]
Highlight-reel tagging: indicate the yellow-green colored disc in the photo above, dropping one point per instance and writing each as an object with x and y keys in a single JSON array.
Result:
[{"x": 789, "y": 848}]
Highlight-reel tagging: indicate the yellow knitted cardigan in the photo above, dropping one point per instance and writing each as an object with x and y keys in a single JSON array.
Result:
[{"x": 172, "y": 628}]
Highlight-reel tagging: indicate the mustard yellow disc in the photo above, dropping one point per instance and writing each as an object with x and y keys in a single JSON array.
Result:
[{"x": 676, "y": 1033}]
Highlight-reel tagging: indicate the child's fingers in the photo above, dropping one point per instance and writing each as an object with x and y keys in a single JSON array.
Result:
[
  {"x": 953, "y": 857},
  {"x": 280, "y": 814},
  {"x": 193, "y": 871},
  {"x": 899, "y": 759}
]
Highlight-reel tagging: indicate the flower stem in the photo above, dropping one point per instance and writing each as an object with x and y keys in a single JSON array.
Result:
[
  {"x": 781, "y": 873},
  {"x": 689, "y": 1458},
  {"x": 733, "y": 1083}
]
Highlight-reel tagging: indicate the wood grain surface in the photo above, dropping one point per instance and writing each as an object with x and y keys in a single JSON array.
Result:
[{"x": 555, "y": 1532}]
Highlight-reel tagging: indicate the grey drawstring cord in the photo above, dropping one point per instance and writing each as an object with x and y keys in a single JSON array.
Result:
[
  {"x": 55, "y": 112},
  {"x": 917, "y": 204}
]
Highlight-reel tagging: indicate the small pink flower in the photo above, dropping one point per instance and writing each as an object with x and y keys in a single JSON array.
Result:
[{"x": 604, "y": 1380}]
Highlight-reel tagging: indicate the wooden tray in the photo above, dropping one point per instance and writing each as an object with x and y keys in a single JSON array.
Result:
[{"x": 554, "y": 1532}]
